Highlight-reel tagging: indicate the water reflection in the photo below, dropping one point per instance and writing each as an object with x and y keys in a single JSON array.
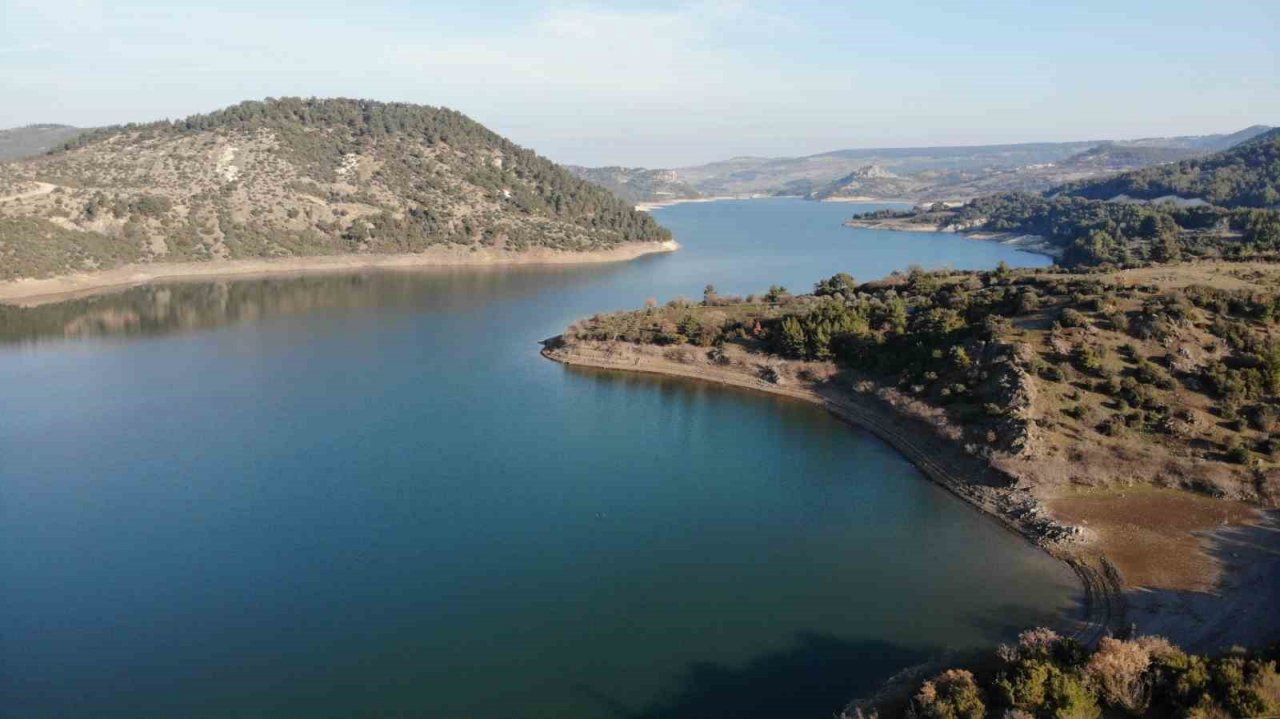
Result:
[{"x": 159, "y": 309}]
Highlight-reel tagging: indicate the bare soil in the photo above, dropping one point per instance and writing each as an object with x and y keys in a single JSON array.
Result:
[{"x": 30, "y": 292}]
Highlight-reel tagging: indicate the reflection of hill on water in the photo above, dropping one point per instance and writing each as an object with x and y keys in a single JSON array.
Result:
[{"x": 181, "y": 306}]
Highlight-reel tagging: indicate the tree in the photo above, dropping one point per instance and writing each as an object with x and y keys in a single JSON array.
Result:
[
  {"x": 709, "y": 295},
  {"x": 841, "y": 284},
  {"x": 792, "y": 342}
]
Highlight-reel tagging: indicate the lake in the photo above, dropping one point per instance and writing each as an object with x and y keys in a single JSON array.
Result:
[{"x": 368, "y": 496}]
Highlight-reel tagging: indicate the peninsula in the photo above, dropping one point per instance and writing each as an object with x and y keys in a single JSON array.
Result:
[{"x": 1122, "y": 420}]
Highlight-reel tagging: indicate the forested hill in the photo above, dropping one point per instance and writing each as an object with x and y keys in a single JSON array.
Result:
[
  {"x": 1247, "y": 175},
  {"x": 294, "y": 177},
  {"x": 1223, "y": 205},
  {"x": 635, "y": 184}
]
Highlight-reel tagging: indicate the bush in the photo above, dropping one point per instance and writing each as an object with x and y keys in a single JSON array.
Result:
[
  {"x": 1073, "y": 318},
  {"x": 1087, "y": 359},
  {"x": 951, "y": 695},
  {"x": 1068, "y": 697},
  {"x": 1120, "y": 671},
  {"x": 1237, "y": 452}
]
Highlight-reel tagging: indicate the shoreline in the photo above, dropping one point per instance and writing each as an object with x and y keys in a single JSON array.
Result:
[
  {"x": 1103, "y": 595},
  {"x": 658, "y": 204},
  {"x": 867, "y": 198},
  {"x": 1035, "y": 244},
  {"x": 651, "y": 205},
  {"x": 35, "y": 292},
  {"x": 1241, "y": 596}
]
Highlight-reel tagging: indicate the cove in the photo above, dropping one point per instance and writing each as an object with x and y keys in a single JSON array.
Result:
[{"x": 367, "y": 495}]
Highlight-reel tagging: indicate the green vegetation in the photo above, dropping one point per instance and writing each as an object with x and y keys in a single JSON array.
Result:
[
  {"x": 31, "y": 247},
  {"x": 1045, "y": 676},
  {"x": 1247, "y": 175},
  {"x": 292, "y": 177},
  {"x": 1095, "y": 232},
  {"x": 1190, "y": 370}
]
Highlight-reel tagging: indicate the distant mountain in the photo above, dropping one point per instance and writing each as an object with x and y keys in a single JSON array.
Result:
[
  {"x": 1203, "y": 143},
  {"x": 935, "y": 173},
  {"x": 293, "y": 177},
  {"x": 868, "y": 181},
  {"x": 32, "y": 140},
  {"x": 1225, "y": 204},
  {"x": 636, "y": 184},
  {"x": 1247, "y": 175}
]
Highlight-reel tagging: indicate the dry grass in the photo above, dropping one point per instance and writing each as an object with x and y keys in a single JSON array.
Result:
[{"x": 1154, "y": 536}]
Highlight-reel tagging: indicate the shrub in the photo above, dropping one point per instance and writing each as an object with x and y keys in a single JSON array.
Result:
[
  {"x": 1087, "y": 359},
  {"x": 951, "y": 695},
  {"x": 1073, "y": 318},
  {"x": 1120, "y": 671},
  {"x": 1148, "y": 372},
  {"x": 1025, "y": 686},
  {"x": 1068, "y": 697},
  {"x": 1237, "y": 452}
]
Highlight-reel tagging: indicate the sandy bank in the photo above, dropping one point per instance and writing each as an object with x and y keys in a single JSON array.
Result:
[
  {"x": 1020, "y": 240},
  {"x": 31, "y": 292},
  {"x": 648, "y": 206},
  {"x": 867, "y": 198}
]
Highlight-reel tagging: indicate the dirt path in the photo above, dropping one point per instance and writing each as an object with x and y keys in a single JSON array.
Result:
[{"x": 42, "y": 188}]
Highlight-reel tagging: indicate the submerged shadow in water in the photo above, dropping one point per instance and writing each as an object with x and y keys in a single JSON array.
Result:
[{"x": 814, "y": 677}]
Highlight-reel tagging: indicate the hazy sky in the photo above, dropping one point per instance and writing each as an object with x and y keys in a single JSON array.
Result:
[{"x": 669, "y": 83}]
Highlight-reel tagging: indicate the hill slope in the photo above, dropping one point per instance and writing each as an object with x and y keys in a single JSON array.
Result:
[
  {"x": 636, "y": 184},
  {"x": 296, "y": 177},
  {"x": 1247, "y": 175},
  {"x": 868, "y": 181}
]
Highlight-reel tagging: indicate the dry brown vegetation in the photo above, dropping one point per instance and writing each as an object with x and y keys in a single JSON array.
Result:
[{"x": 1045, "y": 675}]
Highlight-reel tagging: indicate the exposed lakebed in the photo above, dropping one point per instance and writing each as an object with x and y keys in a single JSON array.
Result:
[{"x": 367, "y": 495}]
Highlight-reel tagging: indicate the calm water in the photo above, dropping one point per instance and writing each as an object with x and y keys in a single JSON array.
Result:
[{"x": 369, "y": 496}]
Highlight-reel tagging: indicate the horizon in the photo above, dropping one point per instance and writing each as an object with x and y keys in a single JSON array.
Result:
[
  {"x": 834, "y": 150},
  {"x": 670, "y": 84}
]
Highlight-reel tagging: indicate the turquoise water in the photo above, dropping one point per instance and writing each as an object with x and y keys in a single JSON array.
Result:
[{"x": 368, "y": 496}]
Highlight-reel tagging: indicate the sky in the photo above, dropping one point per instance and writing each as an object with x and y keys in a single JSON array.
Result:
[{"x": 668, "y": 84}]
